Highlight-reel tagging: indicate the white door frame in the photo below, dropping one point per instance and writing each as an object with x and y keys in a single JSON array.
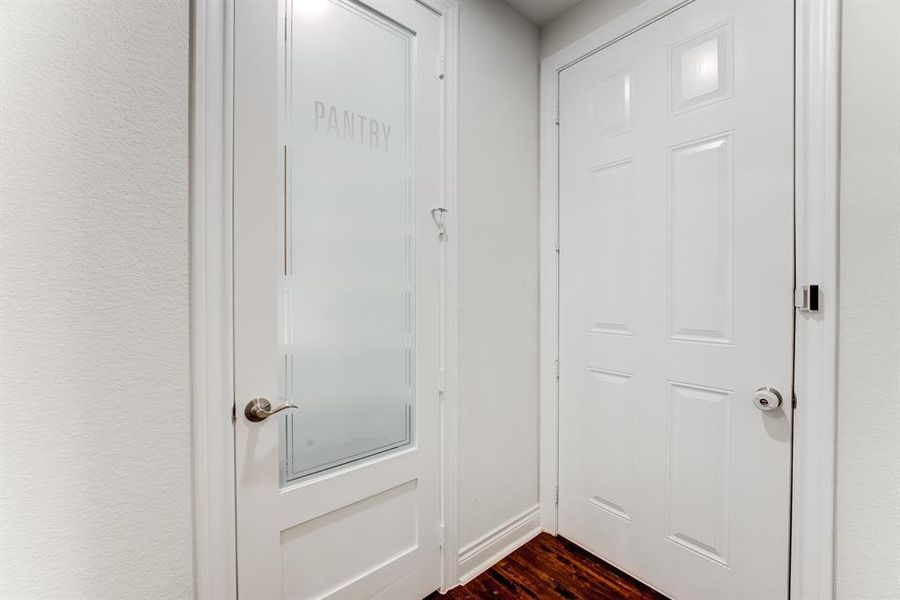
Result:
[
  {"x": 816, "y": 154},
  {"x": 212, "y": 358}
]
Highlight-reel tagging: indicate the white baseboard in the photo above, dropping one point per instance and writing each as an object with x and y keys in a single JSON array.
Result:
[{"x": 483, "y": 553}]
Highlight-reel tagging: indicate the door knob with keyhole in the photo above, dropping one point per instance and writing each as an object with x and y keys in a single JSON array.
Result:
[
  {"x": 260, "y": 409},
  {"x": 767, "y": 398}
]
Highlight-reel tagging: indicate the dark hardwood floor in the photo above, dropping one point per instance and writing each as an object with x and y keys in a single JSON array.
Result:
[{"x": 549, "y": 568}]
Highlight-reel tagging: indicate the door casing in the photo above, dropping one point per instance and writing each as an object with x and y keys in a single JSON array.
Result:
[
  {"x": 212, "y": 357},
  {"x": 816, "y": 155}
]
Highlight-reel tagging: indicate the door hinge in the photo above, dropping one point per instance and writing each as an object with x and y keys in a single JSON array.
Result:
[
  {"x": 794, "y": 400},
  {"x": 557, "y": 114},
  {"x": 556, "y": 246},
  {"x": 556, "y": 495},
  {"x": 441, "y": 382},
  {"x": 556, "y": 368},
  {"x": 233, "y": 413},
  {"x": 806, "y": 298},
  {"x": 441, "y": 68},
  {"x": 441, "y": 536}
]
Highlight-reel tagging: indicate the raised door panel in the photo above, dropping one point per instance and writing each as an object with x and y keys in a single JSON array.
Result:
[
  {"x": 698, "y": 493},
  {"x": 388, "y": 523},
  {"x": 701, "y": 240},
  {"x": 610, "y": 106},
  {"x": 701, "y": 69},
  {"x": 610, "y": 400},
  {"x": 611, "y": 255}
]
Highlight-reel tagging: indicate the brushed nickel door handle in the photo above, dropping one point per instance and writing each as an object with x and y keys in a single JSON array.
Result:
[{"x": 260, "y": 409}]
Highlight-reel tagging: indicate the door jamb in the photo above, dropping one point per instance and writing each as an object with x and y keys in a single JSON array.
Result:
[
  {"x": 817, "y": 127},
  {"x": 212, "y": 406},
  {"x": 215, "y": 548}
]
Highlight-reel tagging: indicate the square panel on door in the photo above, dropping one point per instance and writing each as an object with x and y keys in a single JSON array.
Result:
[{"x": 700, "y": 69}]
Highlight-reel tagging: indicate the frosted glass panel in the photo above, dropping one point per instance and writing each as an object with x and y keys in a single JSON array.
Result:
[{"x": 347, "y": 309}]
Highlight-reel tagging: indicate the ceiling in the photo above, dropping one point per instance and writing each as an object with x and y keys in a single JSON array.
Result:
[{"x": 541, "y": 11}]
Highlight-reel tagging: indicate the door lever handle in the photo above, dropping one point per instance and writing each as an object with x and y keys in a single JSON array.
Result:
[{"x": 260, "y": 409}]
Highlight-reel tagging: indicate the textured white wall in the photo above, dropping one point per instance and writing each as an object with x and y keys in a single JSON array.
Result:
[
  {"x": 580, "y": 20},
  {"x": 868, "y": 465},
  {"x": 498, "y": 266},
  {"x": 95, "y": 481}
]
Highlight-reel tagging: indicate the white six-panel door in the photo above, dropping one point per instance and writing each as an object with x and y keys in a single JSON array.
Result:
[
  {"x": 676, "y": 279},
  {"x": 336, "y": 295}
]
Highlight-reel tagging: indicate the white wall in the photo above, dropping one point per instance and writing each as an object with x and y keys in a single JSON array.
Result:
[
  {"x": 498, "y": 266},
  {"x": 868, "y": 461},
  {"x": 580, "y": 20},
  {"x": 95, "y": 481}
]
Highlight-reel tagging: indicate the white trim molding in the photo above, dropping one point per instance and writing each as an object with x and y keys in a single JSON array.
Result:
[
  {"x": 215, "y": 570},
  {"x": 215, "y": 543},
  {"x": 817, "y": 156},
  {"x": 487, "y": 550},
  {"x": 449, "y": 379},
  {"x": 817, "y": 126}
]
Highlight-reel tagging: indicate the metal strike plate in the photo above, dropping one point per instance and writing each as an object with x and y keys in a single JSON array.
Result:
[{"x": 806, "y": 299}]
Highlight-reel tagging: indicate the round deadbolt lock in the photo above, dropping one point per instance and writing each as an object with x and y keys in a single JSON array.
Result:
[{"x": 767, "y": 398}]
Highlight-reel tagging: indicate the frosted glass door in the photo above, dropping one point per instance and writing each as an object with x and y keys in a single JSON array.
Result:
[{"x": 347, "y": 298}]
